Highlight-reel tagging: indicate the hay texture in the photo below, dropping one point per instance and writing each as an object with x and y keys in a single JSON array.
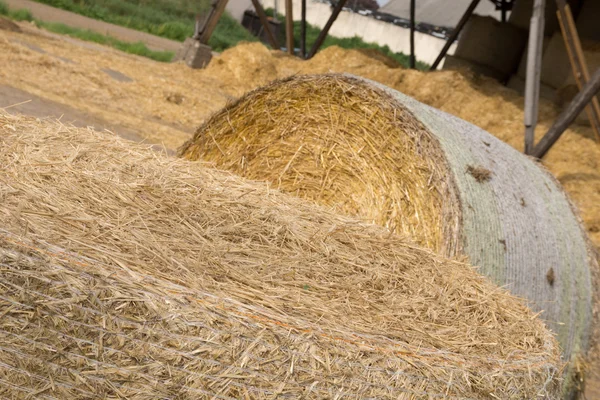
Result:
[
  {"x": 126, "y": 273},
  {"x": 323, "y": 140},
  {"x": 369, "y": 151}
]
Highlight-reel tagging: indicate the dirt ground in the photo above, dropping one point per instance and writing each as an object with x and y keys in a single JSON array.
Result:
[
  {"x": 51, "y": 14},
  {"x": 16, "y": 100}
]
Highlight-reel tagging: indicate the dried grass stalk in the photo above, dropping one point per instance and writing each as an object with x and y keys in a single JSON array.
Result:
[{"x": 126, "y": 273}]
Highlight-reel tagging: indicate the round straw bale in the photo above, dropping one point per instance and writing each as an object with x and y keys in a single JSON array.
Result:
[
  {"x": 369, "y": 151},
  {"x": 127, "y": 273}
]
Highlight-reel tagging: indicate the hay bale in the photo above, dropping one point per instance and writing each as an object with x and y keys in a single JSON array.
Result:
[
  {"x": 356, "y": 172},
  {"x": 367, "y": 150},
  {"x": 126, "y": 273}
]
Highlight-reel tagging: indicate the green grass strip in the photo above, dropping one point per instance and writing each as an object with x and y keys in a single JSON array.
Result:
[{"x": 138, "y": 48}]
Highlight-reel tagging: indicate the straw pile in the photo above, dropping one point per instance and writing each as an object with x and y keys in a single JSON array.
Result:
[
  {"x": 125, "y": 273},
  {"x": 368, "y": 151}
]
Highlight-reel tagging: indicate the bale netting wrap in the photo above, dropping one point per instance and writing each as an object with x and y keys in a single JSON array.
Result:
[
  {"x": 126, "y": 273},
  {"x": 364, "y": 149}
]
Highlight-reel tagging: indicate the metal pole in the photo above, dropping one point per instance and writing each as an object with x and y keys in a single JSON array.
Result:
[
  {"x": 325, "y": 30},
  {"x": 289, "y": 27},
  {"x": 412, "y": 34},
  {"x": 566, "y": 118},
  {"x": 211, "y": 23},
  {"x": 265, "y": 23},
  {"x": 455, "y": 33},
  {"x": 303, "y": 31},
  {"x": 534, "y": 69}
]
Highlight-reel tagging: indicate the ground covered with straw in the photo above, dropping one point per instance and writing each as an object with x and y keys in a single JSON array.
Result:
[{"x": 127, "y": 273}]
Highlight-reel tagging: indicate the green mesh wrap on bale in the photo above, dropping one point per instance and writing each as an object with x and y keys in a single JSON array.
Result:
[{"x": 518, "y": 225}]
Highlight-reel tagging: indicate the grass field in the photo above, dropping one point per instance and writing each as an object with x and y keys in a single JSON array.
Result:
[{"x": 172, "y": 19}]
